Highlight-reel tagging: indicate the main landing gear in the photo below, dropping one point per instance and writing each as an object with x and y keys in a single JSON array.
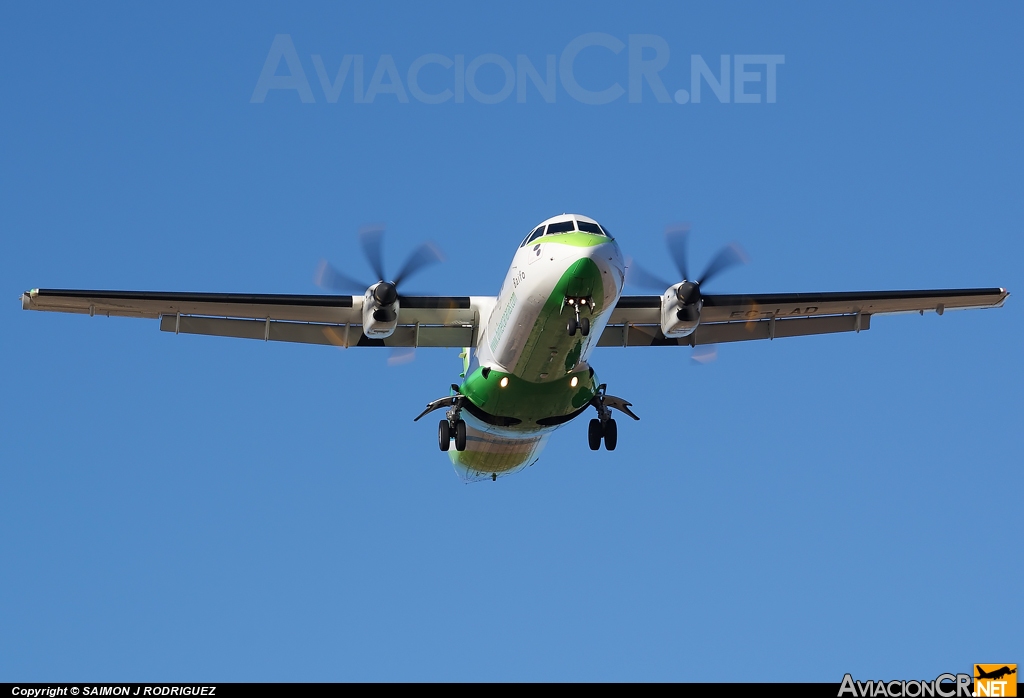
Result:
[
  {"x": 445, "y": 433},
  {"x": 453, "y": 427},
  {"x": 607, "y": 431},
  {"x": 576, "y": 322},
  {"x": 604, "y": 427}
]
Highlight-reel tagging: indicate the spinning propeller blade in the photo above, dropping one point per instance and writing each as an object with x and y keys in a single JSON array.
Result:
[
  {"x": 704, "y": 354},
  {"x": 677, "y": 238},
  {"x": 423, "y": 256},
  {"x": 371, "y": 239},
  {"x": 384, "y": 291},
  {"x": 401, "y": 355},
  {"x": 638, "y": 276},
  {"x": 688, "y": 291},
  {"x": 730, "y": 255},
  {"x": 330, "y": 279}
]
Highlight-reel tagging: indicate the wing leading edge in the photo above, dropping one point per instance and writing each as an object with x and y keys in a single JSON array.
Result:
[
  {"x": 740, "y": 317},
  {"x": 425, "y": 321},
  {"x": 454, "y": 321}
]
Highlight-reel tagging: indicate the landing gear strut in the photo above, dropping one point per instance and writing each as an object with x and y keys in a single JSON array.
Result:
[
  {"x": 453, "y": 426},
  {"x": 604, "y": 426},
  {"x": 576, "y": 322}
]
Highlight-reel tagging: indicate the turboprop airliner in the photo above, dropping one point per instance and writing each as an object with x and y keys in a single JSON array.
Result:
[{"x": 527, "y": 351}]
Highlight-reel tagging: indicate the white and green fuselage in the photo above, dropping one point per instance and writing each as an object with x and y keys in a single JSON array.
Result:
[{"x": 529, "y": 375}]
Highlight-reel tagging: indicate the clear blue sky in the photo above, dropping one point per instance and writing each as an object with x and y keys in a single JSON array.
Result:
[{"x": 179, "y": 508}]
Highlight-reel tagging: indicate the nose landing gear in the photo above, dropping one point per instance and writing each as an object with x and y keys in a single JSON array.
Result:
[{"x": 576, "y": 322}]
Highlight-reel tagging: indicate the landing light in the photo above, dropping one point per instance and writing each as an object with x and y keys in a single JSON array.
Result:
[
  {"x": 574, "y": 381},
  {"x": 504, "y": 381}
]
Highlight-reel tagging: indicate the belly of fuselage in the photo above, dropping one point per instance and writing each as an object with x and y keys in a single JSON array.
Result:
[{"x": 493, "y": 452}]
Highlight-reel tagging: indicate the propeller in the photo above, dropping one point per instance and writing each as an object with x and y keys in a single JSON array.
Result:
[
  {"x": 401, "y": 355},
  {"x": 385, "y": 291},
  {"x": 704, "y": 354},
  {"x": 688, "y": 292}
]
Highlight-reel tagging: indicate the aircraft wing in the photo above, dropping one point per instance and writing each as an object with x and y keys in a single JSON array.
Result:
[
  {"x": 423, "y": 321},
  {"x": 734, "y": 318}
]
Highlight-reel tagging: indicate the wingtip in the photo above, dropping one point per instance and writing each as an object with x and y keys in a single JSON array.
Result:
[{"x": 1003, "y": 295}]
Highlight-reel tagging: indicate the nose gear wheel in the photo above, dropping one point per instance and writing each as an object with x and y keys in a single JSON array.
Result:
[{"x": 577, "y": 322}]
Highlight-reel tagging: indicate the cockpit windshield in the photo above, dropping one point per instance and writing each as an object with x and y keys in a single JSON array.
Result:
[
  {"x": 562, "y": 227},
  {"x": 569, "y": 226}
]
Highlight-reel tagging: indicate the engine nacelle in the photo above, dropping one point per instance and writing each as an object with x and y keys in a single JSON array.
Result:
[
  {"x": 679, "y": 319},
  {"x": 380, "y": 310}
]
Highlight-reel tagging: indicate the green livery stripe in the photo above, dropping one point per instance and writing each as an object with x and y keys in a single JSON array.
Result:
[
  {"x": 573, "y": 239},
  {"x": 525, "y": 400},
  {"x": 550, "y": 352}
]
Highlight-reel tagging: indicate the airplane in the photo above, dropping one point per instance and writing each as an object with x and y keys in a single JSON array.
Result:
[
  {"x": 526, "y": 352},
  {"x": 995, "y": 674}
]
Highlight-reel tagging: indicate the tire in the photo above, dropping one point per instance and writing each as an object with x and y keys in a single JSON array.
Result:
[
  {"x": 572, "y": 327},
  {"x": 460, "y": 435},
  {"x": 585, "y": 326},
  {"x": 444, "y": 435},
  {"x": 611, "y": 435},
  {"x": 594, "y": 434}
]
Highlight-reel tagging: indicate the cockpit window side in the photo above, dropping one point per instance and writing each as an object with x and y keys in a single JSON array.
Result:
[
  {"x": 534, "y": 234},
  {"x": 586, "y": 227}
]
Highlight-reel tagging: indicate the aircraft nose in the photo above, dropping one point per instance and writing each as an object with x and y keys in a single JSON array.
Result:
[{"x": 607, "y": 255}]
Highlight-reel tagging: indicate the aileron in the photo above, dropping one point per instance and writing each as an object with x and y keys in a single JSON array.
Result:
[{"x": 733, "y": 307}]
